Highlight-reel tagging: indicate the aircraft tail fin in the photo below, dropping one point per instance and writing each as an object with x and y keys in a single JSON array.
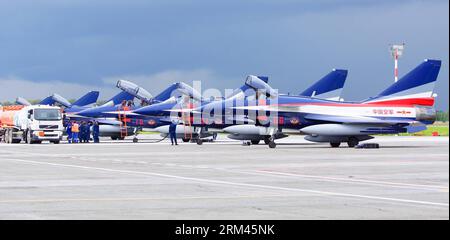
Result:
[
  {"x": 329, "y": 87},
  {"x": 120, "y": 97},
  {"x": 89, "y": 98},
  {"x": 48, "y": 101},
  {"x": 167, "y": 93},
  {"x": 415, "y": 88}
]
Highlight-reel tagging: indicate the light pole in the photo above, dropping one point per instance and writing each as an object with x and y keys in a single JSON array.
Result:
[{"x": 396, "y": 51}]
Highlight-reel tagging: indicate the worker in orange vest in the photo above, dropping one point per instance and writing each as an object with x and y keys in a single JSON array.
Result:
[{"x": 75, "y": 132}]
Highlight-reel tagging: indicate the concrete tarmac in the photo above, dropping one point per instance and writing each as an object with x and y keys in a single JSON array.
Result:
[{"x": 407, "y": 178}]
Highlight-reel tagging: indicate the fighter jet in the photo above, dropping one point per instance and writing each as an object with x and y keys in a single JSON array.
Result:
[
  {"x": 405, "y": 106},
  {"x": 84, "y": 101},
  {"x": 70, "y": 110},
  {"x": 120, "y": 116},
  {"x": 329, "y": 86}
]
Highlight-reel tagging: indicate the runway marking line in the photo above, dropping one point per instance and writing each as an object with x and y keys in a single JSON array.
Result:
[
  {"x": 280, "y": 174},
  {"x": 421, "y": 186},
  {"x": 135, "y": 199},
  {"x": 219, "y": 182}
]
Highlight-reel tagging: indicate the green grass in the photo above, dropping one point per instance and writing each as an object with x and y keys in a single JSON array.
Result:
[
  {"x": 148, "y": 132},
  {"x": 441, "y": 129}
]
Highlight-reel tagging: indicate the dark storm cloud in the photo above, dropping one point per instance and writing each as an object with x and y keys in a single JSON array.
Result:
[{"x": 88, "y": 43}]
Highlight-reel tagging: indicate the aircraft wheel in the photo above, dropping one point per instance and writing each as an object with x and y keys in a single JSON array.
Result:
[
  {"x": 335, "y": 144},
  {"x": 113, "y": 138},
  {"x": 199, "y": 142},
  {"x": 255, "y": 142},
  {"x": 272, "y": 144},
  {"x": 352, "y": 142},
  {"x": 185, "y": 139},
  {"x": 135, "y": 140},
  {"x": 266, "y": 141}
]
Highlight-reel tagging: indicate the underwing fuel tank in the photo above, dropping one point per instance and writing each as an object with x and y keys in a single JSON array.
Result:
[
  {"x": 180, "y": 129},
  {"x": 335, "y": 129},
  {"x": 350, "y": 129},
  {"x": 113, "y": 130},
  {"x": 247, "y": 130},
  {"x": 251, "y": 132},
  {"x": 319, "y": 138}
]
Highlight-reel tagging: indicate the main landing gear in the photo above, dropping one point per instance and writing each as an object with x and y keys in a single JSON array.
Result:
[
  {"x": 271, "y": 142},
  {"x": 351, "y": 142},
  {"x": 335, "y": 144}
]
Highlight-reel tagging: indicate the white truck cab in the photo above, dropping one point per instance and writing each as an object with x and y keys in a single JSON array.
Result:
[{"x": 37, "y": 123}]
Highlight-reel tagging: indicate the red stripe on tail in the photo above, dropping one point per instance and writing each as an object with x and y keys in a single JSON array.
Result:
[{"x": 406, "y": 102}]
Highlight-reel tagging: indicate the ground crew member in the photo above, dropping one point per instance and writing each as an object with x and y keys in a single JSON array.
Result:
[
  {"x": 75, "y": 132},
  {"x": 69, "y": 132},
  {"x": 82, "y": 131},
  {"x": 88, "y": 131},
  {"x": 96, "y": 132},
  {"x": 173, "y": 132},
  {"x": 130, "y": 103}
]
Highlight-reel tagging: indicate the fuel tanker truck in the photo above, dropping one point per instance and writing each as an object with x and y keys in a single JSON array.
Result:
[{"x": 32, "y": 124}]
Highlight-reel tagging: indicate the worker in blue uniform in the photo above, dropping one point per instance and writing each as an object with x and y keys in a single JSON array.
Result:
[
  {"x": 88, "y": 132},
  {"x": 69, "y": 132},
  {"x": 82, "y": 132},
  {"x": 96, "y": 132},
  {"x": 173, "y": 132}
]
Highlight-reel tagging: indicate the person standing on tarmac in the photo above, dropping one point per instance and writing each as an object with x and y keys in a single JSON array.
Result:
[
  {"x": 88, "y": 132},
  {"x": 69, "y": 132},
  {"x": 96, "y": 132},
  {"x": 82, "y": 131},
  {"x": 75, "y": 132},
  {"x": 173, "y": 131}
]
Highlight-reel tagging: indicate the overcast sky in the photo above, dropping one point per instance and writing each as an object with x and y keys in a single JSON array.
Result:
[{"x": 74, "y": 46}]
